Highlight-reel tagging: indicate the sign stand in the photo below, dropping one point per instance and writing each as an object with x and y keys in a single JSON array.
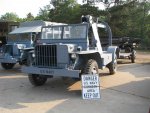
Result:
[{"x": 90, "y": 86}]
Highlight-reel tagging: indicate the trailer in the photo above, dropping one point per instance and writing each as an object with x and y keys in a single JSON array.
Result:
[{"x": 126, "y": 47}]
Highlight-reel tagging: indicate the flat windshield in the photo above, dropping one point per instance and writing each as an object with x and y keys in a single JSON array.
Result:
[
  {"x": 52, "y": 32},
  {"x": 19, "y": 37},
  {"x": 64, "y": 32}
]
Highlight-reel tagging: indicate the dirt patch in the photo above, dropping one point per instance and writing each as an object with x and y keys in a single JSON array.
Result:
[{"x": 143, "y": 57}]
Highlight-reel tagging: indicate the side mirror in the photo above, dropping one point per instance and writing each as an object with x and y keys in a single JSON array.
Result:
[{"x": 33, "y": 37}]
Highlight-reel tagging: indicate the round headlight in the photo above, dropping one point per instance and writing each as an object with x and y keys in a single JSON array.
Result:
[
  {"x": 33, "y": 55},
  {"x": 73, "y": 56},
  {"x": 79, "y": 48}
]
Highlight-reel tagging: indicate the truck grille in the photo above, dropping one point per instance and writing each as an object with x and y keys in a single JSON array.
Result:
[{"x": 46, "y": 55}]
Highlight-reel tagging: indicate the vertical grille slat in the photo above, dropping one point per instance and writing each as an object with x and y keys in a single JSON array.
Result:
[
  {"x": 50, "y": 53},
  {"x": 54, "y": 56},
  {"x": 46, "y": 55}
]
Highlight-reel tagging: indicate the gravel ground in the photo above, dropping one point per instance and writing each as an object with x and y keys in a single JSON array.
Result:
[{"x": 128, "y": 91}]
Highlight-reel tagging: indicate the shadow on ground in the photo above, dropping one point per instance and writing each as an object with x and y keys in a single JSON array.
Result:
[
  {"x": 118, "y": 94},
  {"x": 16, "y": 91}
]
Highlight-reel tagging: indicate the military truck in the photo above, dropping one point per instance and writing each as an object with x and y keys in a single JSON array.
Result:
[
  {"x": 70, "y": 51},
  {"x": 19, "y": 42}
]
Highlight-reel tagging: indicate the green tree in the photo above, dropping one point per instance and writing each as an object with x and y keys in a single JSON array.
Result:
[
  {"x": 145, "y": 22},
  {"x": 125, "y": 19},
  {"x": 44, "y": 13},
  {"x": 30, "y": 17},
  {"x": 64, "y": 12},
  {"x": 87, "y": 9},
  {"x": 70, "y": 11},
  {"x": 10, "y": 17},
  {"x": 131, "y": 19}
]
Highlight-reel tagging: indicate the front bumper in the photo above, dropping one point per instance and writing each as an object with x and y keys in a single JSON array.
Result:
[
  {"x": 51, "y": 72},
  {"x": 12, "y": 60}
]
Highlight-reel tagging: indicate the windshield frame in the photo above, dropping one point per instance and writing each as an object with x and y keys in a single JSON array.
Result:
[
  {"x": 62, "y": 32},
  {"x": 19, "y": 37}
]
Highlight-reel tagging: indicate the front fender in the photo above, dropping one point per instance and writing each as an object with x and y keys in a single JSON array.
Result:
[
  {"x": 26, "y": 52},
  {"x": 115, "y": 52},
  {"x": 83, "y": 58}
]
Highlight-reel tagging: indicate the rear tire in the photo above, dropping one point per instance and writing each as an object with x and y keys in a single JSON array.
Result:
[
  {"x": 128, "y": 49},
  {"x": 133, "y": 56},
  {"x": 7, "y": 65},
  {"x": 91, "y": 67},
  {"x": 112, "y": 66},
  {"x": 36, "y": 79}
]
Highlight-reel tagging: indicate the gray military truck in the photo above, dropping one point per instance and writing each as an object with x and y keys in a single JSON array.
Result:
[
  {"x": 19, "y": 42},
  {"x": 70, "y": 51}
]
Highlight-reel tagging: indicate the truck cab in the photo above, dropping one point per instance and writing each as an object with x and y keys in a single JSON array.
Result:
[{"x": 19, "y": 42}]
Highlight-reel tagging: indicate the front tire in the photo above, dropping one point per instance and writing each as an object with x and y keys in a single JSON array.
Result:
[
  {"x": 91, "y": 67},
  {"x": 7, "y": 65},
  {"x": 36, "y": 79}
]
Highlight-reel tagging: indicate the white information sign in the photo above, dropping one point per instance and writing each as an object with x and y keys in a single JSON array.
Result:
[{"x": 90, "y": 86}]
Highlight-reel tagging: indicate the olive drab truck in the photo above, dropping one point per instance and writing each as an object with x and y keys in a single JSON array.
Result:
[
  {"x": 70, "y": 51},
  {"x": 19, "y": 42}
]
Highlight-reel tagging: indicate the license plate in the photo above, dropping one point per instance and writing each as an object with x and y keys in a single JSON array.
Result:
[{"x": 46, "y": 71}]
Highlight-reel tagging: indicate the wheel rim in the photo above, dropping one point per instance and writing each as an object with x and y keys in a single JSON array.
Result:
[
  {"x": 115, "y": 65},
  {"x": 91, "y": 67},
  {"x": 94, "y": 70},
  {"x": 39, "y": 78}
]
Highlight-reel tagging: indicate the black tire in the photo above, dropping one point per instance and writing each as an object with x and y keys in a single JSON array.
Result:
[
  {"x": 133, "y": 57},
  {"x": 91, "y": 67},
  {"x": 36, "y": 79},
  {"x": 112, "y": 66},
  {"x": 29, "y": 60},
  {"x": 7, "y": 65},
  {"x": 128, "y": 49}
]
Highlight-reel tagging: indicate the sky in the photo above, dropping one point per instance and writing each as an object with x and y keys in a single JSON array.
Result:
[{"x": 23, "y": 7}]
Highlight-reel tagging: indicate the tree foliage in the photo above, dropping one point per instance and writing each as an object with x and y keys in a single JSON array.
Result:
[
  {"x": 30, "y": 17},
  {"x": 131, "y": 19},
  {"x": 44, "y": 13},
  {"x": 65, "y": 12},
  {"x": 10, "y": 17},
  {"x": 70, "y": 11},
  {"x": 126, "y": 17}
]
